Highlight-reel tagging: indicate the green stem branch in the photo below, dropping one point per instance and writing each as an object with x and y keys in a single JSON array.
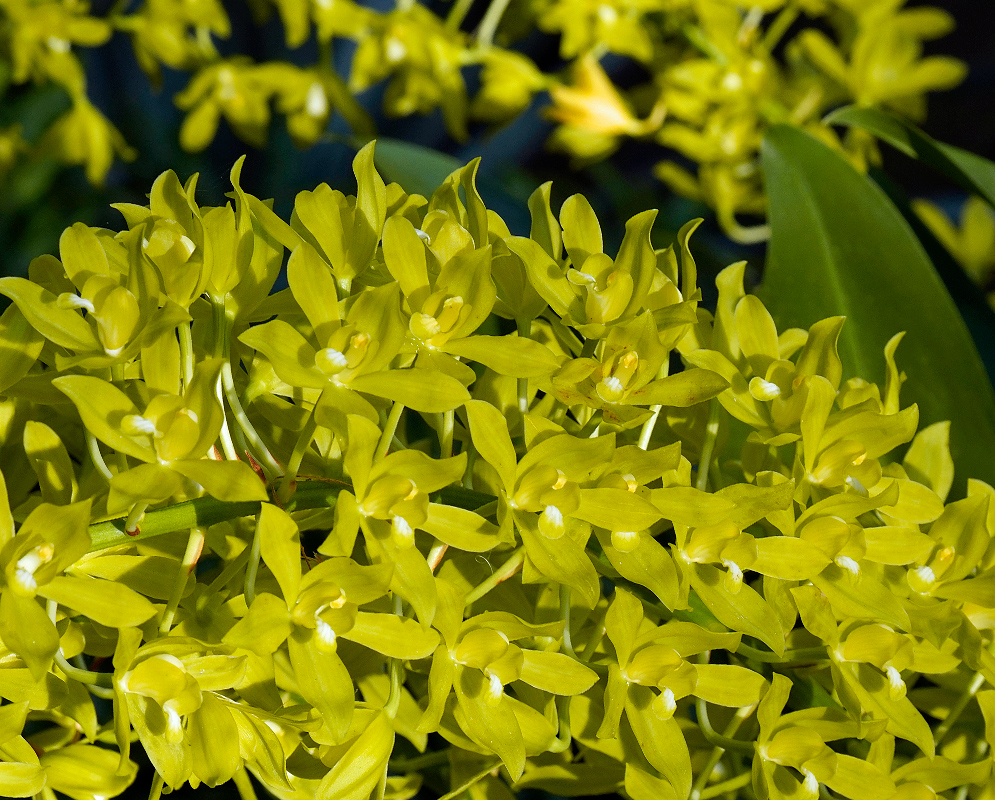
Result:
[
  {"x": 187, "y": 358},
  {"x": 195, "y": 546},
  {"x": 489, "y": 24},
  {"x": 525, "y": 332},
  {"x": 296, "y": 457},
  {"x": 698, "y": 789},
  {"x": 708, "y": 447},
  {"x": 203, "y": 512},
  {"x": 717, "y": 739},
  {"x": 505, "y": 571},
  {"x": 388, "y": 432},
  {"x": 725, "y": 787},
  {"x": 253, "y": 566},
  {"x": 958, "y": 708}
]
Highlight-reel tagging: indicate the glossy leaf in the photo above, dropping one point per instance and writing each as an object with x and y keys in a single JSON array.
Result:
[
  {"x": 865, "y": 263},
  {"x": 970, "y": 171}
]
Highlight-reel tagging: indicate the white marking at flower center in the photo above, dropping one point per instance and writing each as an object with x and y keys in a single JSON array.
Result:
[{"x": 316, "y": 101}]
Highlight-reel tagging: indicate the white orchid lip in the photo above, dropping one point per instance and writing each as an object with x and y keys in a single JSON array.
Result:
[
  {"x": 896, "y": 686},
  {"x": 811, "y": 783},
  {"x": 135, "y": 424},
  {"x": 734, "y": 577},
  {"x": 316, "y": 101},
  {"x": 610, "y": 389},
  {"x": 922, "y": 579},
  {"x": 625, "y": 541},
  {"x": 68, "y": 300},
  {"x": 326, "y": 634},
  {"x": 174, "y": 722},
  {"x": 402, "y": 530},
  {"x": 665, "y": 704},
  {"x": 848, "y": 565},
  {"x": 330, "y": 361},
  {"x": 28, "y": 564},
  {"x": 494, "y": 688},
  {"x": 551, "y": 522}
]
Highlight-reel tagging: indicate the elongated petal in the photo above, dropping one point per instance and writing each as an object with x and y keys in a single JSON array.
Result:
[
  {"x": 103, "y": 407},
  {"x": 419, "y": 389},
  {"x": 61, "y": 326},
  {"x": 109, "y": 603}
]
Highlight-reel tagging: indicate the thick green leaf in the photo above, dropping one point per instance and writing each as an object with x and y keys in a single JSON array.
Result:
[
  {"x": 860, "y": 259},
  {"x": 418, "y": 169},
  {"x": 970, "y": 171}
]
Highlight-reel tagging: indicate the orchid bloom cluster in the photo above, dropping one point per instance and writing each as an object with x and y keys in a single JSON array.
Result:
[
  {"x": 468, "y": 512},
  {"x": 718, "y": 72}
]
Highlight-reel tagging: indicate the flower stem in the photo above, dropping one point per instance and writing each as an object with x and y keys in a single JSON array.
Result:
[
  {"x": 388, "y": 432},
  {"x": 489, "y": 24},
  {"x": 195, "y": 546},
  {"x": 446, "y": 433},
  {"x": 244, "y": 785},
  {"x": 525, "y": 332},
  {"x": 958, "y": 708},
  {"x": 434, "y": 758},
  {"x": 100, "y": 679},
  {"x": 801, "y": 655},
  {"x": 156, "y": 791},
  {"x": 784, "y": 20},
  {"x": 717, "y": 739},
  {"x": 98, "y": 460},
  {"x": 646, "y": 434},
  {"x": 505, "y": 571},
  {"x": 725, "y": 787},
  {"x": 252, "y": 568},
  {"x": 708, "y": 447},
  {"x": 698, "y": 789},
  {"x": 202, "y": 512},
  {"x": 457, "y": 14},
  {"x": 294, "y": 464},
  {"x": 186, "y": 353}
]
